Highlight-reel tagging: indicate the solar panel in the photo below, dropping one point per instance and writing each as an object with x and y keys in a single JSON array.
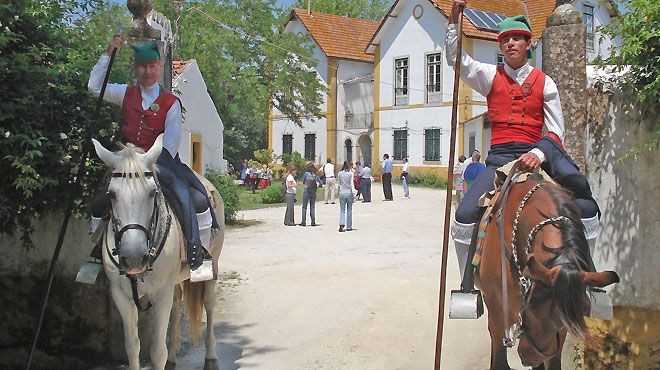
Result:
[{"x": 484, "y": 20}]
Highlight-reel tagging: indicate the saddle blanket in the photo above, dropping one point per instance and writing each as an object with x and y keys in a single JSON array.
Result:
[{"x": 489, "y": 200}]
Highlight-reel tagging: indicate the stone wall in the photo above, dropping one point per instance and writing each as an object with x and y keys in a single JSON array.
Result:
[{"x": 627, "y": 193}]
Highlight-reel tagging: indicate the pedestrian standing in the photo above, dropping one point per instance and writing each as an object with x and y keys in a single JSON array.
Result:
[
  {"x": 330, "y": 181},
  {"x": 387, "y": 177},
  {"x": 365, "y": 183},
  {"x": 290, "y": 196},
  {"x": 358, "y": 177},
  {"x": 346, "y": 197},
  {"x": 405, "y": 179},
  {"x": 312, "y": 181},
  {"x": 244, "y": 169}
]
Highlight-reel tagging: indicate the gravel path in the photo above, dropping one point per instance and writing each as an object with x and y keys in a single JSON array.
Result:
[{"x": 314, "y": 298}]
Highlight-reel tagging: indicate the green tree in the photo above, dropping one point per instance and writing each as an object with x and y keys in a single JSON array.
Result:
[
  {"x": 639, "y": 56},
  {"x": 247, "y": 63},
  {"x": 45, "y": 110},
  {"x": 364, "y": 9}
]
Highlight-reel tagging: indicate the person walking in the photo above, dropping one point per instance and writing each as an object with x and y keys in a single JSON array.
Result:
[
  {"x": 346, "y": 197},
  {"x": 312, "y": 181},
  {"x": 330, "y": 181},
  {"x": 405, "y": 179},
  {"x": 365, "y": 183},
  {"x": 474, "y": 169},
  {"x": 290, "y": 196},
  {"x": 387, "y": 177}
]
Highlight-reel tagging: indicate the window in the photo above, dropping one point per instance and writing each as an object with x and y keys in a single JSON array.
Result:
[
  {"x": 500, "y": 59},
  {"x": 432, "y": 144},
  {"x": 401, "y": 81},
  {"x": 287, "y": 144},
  {"x": 310, "y": 146},
  {"x": 349, "y": 150},
  {"x": 472, "y": 142},
  {"x": 588, "y": 16},
  {"x": 434, "y": 78},
  {"x": 400, "y": 144}
]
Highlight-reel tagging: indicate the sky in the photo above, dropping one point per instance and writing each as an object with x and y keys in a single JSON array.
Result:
[{"x": 282, "y": 3}]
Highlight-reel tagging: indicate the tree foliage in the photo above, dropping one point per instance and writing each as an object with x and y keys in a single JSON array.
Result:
[
  {"x": 639, "y": 55},
  {"x": 247, "y": 64},
  {"x": 364, "y": 9},
  {"x": 46, "y": 52}
]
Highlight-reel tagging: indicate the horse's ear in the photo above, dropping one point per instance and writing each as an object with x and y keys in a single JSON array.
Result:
[
  {"x": 108, "y": 157},
  {"x": 599, "y": 279},
  {"x": 542, "y": 273},
  {"x": 154, "y": 152}
]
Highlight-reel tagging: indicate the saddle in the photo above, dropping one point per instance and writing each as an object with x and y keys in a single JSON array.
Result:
[{"x": 494, "y": 199}]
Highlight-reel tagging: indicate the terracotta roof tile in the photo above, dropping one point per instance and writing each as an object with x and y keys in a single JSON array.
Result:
[
  {"x": 339, "y": 37},
  {"x": 536, "y": 11},
  {"x": 179, "y": 65}
]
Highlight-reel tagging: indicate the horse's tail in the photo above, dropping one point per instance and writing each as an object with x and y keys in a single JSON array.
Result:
[
  {"x": 569, "y": 294},
  {"x": 193, "y": 294}
]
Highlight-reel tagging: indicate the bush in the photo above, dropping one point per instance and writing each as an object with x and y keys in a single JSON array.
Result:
[
  {"x": 229, "y": 192},
  {"x": 272, "y": 194},
  {"x": 296, "y": 159},
  {"x": 428, "y": 180}
]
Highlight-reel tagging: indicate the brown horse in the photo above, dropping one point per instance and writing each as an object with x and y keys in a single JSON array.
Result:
[{"x": 546, "y": 275}]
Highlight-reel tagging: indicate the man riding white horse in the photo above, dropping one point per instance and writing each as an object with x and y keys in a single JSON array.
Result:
[
  {"x": 149, "y": 110},
  {"x": 522, "y": 102}
]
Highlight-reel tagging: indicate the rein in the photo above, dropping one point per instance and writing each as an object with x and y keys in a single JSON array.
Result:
[
  {"x": 512, "y": 333},
  {"x": 155, "y": 240}
]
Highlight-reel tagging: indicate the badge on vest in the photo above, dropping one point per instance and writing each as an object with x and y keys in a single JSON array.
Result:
[
  {"x": 526, "y": 88},
  {"x": 154, "y": 107}
]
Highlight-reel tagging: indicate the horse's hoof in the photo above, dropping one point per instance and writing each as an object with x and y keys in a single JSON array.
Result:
[
  {"x": 170, "y": 365},
  {"x": 211, "y": 364}
]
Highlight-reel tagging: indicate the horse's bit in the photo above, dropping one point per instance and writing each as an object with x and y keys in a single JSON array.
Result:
[
  {"x": 512, "y": 333},
  {"x": 154, "y": 247}
]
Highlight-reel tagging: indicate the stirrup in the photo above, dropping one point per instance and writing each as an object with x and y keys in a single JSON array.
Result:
[
  {"x": 89, "y": 272},
  {"x": 466, "y": 304}
]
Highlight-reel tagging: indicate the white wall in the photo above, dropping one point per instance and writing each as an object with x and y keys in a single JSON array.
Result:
[{"x": 200, "y": 117}]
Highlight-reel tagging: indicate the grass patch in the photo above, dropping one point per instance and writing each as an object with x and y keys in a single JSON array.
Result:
[
  {"x": 240, "y": 224},
  {"x": 250, "y": 201}
]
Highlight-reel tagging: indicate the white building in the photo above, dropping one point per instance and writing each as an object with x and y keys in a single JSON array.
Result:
[
  {"x": 202, "y": 138},
  {"x": 346, "y": 71},
  {"x": 412, "y": 82}
]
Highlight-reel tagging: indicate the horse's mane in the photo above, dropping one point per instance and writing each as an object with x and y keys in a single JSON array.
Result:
[
  {"x": 129, "y": 164},
  {"x": 568, "y": 290}
]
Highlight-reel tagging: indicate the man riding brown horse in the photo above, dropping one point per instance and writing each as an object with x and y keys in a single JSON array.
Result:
[{"x": 522, "y": 102}]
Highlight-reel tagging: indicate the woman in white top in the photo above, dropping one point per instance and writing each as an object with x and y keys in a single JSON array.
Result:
[
  {"x": 290, "y": 196},
  {"x": 345, "y": 178}
]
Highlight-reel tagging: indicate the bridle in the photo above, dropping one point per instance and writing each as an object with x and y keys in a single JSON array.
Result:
[
  {"x": 156, "y": 235},
  {"x": 512, "y": 333}
]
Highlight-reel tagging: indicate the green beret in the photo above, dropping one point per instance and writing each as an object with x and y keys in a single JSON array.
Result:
[
  {"x": 518, "y": 25},
  {"x": 146, "y": 53}
]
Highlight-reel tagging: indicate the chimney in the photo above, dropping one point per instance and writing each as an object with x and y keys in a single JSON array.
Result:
[{"x": 309, "y": 7}]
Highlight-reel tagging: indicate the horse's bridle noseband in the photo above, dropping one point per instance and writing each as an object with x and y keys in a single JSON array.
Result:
[{"x": 151, "y": 233}]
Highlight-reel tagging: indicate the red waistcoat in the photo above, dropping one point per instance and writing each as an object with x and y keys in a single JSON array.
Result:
[
  {"x": 515, "y": 111},
  {"x": 142, "y": 127}
]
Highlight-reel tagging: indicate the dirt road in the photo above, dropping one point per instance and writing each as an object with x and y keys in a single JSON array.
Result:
[{"x": 314, "y": 298}]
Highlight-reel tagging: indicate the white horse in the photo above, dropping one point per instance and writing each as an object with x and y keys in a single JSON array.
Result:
[{"x": 142, "y": 258}]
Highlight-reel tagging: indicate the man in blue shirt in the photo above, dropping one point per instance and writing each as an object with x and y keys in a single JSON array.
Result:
[
  {"x": 387, "y": 177},
  {"x": 474, "y": 169}
]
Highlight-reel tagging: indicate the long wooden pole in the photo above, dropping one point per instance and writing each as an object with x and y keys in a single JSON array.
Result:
[{"x": 450, "y": 183}]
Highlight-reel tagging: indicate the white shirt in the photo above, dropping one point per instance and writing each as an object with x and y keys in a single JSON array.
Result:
[
  {"x": 290, "y": 179},
  {"x": 405, "y": 167},
  {"x": 479, "y": 76},
  {"x": 345, "y": 182},
  {"x": 329, "y": 170},
  {"x": 114, "y": 93}
]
